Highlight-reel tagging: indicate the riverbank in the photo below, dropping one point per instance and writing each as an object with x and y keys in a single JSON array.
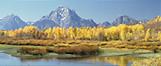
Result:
[
  {"x": 76, "y": 48},
  {"x": 147, "y": 45},
  {"x": 141, "y": 55},
  {"x": 14, "y": 51}
]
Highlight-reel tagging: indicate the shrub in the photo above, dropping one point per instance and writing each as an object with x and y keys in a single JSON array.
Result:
[{"x": 32, "y": 50}]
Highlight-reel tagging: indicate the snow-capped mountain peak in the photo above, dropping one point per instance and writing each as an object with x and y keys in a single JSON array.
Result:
[
  {"x": 61, "y": 14},
  {"x": 66, "y": 17}
]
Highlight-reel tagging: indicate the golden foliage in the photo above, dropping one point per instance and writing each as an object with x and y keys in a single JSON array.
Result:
[
  {"x": 159, "y": 36},
  {"x": 120, "y": 32},
  {"x": 147, "y": 35}
]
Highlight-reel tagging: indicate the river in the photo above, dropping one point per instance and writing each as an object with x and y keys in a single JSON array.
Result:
[{"x": 8, "y": 60}]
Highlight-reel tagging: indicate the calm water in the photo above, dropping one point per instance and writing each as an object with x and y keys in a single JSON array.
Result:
[{"x": 7, "y": 60}]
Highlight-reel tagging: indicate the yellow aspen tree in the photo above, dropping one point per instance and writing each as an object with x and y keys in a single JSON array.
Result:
[
  {"x": 147, "y": 35},
  {"x": 107, "y": 33},
  {"x": 122, "y": 35},
  {"x": 63, "y": 33},
  {"x": 57, "y": 32},
  {"x": 74, "y": 33},
  {"x": 92, "y": 33},
  {"x": 83, "y": 33},
  {"x": 159, "y": 36},
  {"x": 123, "y": 30},
  {"x": 113, "y": 32},
  {"x": 11, "y": 33},
  {"x": 49, "y": 33},
  {"x": 30, "y": 31},
  {"x": 88, "y": 33},
  {"x": 101, "y": 35},
  {"x": 137, "y": 31},
  {"x": 70, "y": 33}
]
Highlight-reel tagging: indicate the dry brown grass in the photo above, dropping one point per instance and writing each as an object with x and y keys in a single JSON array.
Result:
[
  {"x": 39, "y": 42},
  {"x": 131, "y": 45},
  {"x": 79, "y": 49},
  {"x": 32, "y": 50},
  {"x": 81, "y": 46}
]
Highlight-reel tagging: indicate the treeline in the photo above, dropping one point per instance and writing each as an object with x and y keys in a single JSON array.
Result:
[{"x": 120, "y": 32}]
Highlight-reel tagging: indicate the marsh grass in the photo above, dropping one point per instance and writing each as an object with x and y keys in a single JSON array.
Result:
[{"x": 79, "y": 47}]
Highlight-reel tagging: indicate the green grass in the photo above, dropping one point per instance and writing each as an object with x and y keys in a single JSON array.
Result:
[
  {"x": 118, "y": 52},
  {"x": 113, "y": 52}
]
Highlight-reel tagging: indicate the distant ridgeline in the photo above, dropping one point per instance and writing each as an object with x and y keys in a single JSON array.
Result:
[{"x": 64, "y": 17}]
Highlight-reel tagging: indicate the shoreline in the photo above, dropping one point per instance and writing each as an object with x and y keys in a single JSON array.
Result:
[
  {"x": 103, "y": 52},
  {"x": 105, "y": 48}
]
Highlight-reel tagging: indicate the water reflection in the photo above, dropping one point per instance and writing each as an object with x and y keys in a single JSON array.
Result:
[
  {"x": 8, "y": 60},
  {"x": 117, "y": 60}
]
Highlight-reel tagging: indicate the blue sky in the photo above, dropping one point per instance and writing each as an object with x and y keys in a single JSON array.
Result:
[{"x": 98, "y": 10}]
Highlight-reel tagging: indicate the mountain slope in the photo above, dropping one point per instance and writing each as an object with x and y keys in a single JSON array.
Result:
[
  {"x": 30, "y": 23},
  {"x": 11, "y": 22},
  {"x": 104, "y": 24},
  {"x": 66, "y": 17},
  {"x": 45, "y": 23},
  {"x": 125, "y": 20}
]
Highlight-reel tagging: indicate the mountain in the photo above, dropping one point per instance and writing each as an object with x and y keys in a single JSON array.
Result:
[
  {"x": 66, "y": 17},
  {"x": 143, "y": 21},
  {"x": 45, "y": 23},
  {"x": 154, "y": 23},
  {"x": 125, "y": 20},
  {"x": 29, "y": 22},
  {"x": 11, "y": 22},
  {"x": 104, "y": 24}
]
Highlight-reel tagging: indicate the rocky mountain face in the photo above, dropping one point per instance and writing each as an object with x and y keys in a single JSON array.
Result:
[
  {"x": 45, "y": 23},
  {"x": 125, "y": 20},
  {"x": 104, "y": 24},
  {"x": 64, "y": 17},
  {"x": 11, "y": 22}
]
